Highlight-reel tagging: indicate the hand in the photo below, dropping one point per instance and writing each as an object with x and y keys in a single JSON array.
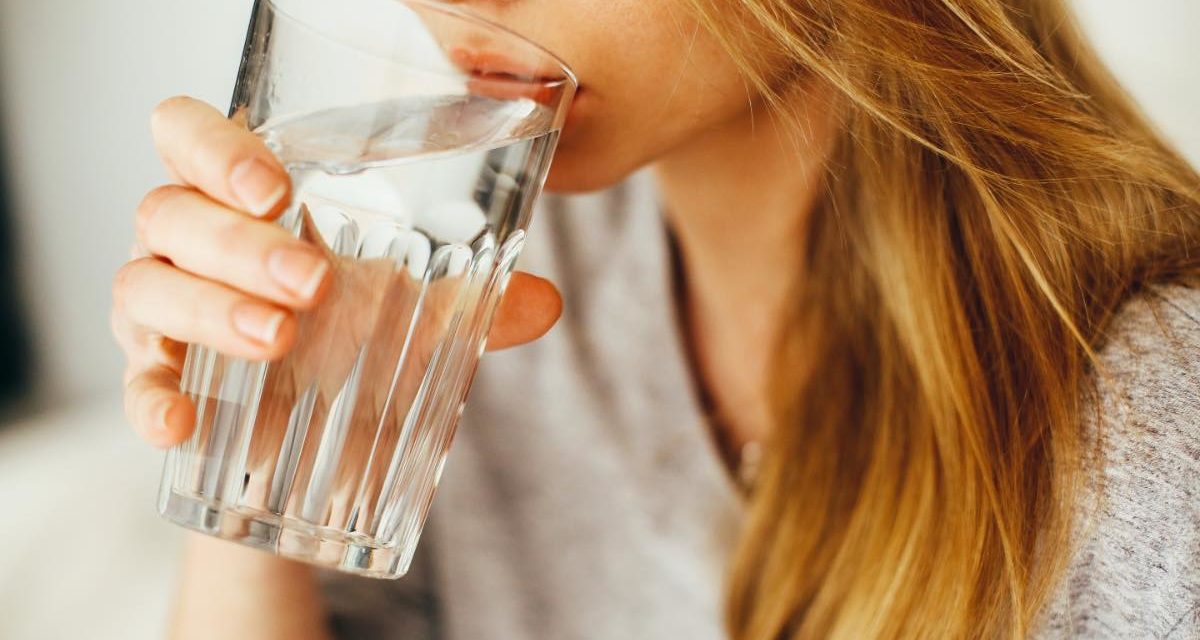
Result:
[{"x": 212, "y": 269}]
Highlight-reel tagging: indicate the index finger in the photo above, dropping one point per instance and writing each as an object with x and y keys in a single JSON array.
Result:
[{"x": 207, "y": 151}]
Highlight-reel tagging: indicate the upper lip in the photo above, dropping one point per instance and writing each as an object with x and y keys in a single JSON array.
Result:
[{"x": 494, "y": 65}]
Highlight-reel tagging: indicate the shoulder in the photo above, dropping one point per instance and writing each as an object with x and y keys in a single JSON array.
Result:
[
  {"x": 1147, "y": 409},
  {"x": 1151, "y": 355},
  {"x": 1147, "y": 386},
  {"x": 1136, "y": 568}
]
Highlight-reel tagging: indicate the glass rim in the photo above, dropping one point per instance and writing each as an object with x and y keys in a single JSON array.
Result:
[{"x": 439, "y": 6}]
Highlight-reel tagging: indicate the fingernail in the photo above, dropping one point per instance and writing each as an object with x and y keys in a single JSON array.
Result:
[
  {"x": 258, "y": 186},
  {"x": 300, "y": 271},
  {"x": 257, "y": 322}
]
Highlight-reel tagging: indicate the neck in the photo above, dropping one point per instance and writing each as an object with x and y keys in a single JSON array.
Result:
[{"x": 736, "y": 199}]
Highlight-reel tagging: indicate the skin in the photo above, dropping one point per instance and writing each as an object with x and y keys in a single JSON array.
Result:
[{"x": 212, "y": 270}]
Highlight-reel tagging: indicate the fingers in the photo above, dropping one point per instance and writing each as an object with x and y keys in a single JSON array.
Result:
[
  {"x": 530, "y": 307},
  {"x": 218, "y": 157},
  {"x": 207, "y": 239},
  {"x": 143, "y": 347},
  {"x": 158, "y": 411},
  {"x": 186, "y": 308}
]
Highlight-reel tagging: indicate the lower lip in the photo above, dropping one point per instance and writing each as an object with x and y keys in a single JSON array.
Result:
[
  {"x": 504, "y": 88},
  {"x": 508, "y": 89}
]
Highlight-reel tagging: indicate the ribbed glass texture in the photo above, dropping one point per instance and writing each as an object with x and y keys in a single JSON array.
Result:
[{"x": 416, "y": 173}]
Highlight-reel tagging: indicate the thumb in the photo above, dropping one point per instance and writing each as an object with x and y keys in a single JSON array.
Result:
[{"x": 530, "y": 307}]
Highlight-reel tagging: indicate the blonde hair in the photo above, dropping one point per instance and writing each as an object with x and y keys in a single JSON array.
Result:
[{"x": 992, "y": 200}]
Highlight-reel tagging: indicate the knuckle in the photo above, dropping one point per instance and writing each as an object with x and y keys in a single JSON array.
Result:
[
  {"x": 124, "y": 282},
  {"x": 132, "y": 372},
  {"x": 154, "y": 202},
  {"x": 119, "y": 327},
  {"x": 132, "y": 397},
  {"x": 120, "y": 288},
  {"x": 162, "y": 114}
]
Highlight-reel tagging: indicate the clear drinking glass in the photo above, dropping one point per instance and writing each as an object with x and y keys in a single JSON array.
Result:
[{"x": 417, "y": 137}]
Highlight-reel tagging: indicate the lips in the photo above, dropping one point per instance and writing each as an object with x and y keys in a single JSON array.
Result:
[
  {"x": 495, "y": 66},
  {"x": 497, "y": 76}
]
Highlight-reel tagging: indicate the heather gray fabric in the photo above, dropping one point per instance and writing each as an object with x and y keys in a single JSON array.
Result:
[
  {"x": 1136, "y": 573},
  {"x": 584, "y": 498}
]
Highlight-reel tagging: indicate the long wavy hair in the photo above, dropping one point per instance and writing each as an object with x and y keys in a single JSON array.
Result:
[{"x": 992, "y": 199}]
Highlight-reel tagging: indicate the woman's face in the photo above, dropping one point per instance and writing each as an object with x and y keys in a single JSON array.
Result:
[{"x": 651, "y": 79}]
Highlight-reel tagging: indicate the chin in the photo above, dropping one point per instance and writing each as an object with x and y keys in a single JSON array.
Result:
[{"x": 576, "y": 170}]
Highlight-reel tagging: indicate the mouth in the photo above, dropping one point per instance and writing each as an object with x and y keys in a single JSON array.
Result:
[
  {"x": 497, "y": 76},
  {"x": 485, "y": 65}
]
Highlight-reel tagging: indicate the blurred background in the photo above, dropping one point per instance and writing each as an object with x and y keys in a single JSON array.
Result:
[{"x": 82, "y": 553}]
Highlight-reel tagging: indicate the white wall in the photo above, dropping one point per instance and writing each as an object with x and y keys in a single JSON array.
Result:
[
  {"x": 80, "y": 77},
  {"x": 1154, "y": 47}
]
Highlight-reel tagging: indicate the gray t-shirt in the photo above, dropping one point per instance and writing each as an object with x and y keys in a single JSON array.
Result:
[{"x": 584, "y": 497}]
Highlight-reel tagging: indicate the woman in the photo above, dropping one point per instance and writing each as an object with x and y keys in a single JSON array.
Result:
[{"x": 924, "y": 255}]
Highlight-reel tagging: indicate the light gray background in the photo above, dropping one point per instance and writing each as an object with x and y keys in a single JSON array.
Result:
[{"x": 79, "y": 79}]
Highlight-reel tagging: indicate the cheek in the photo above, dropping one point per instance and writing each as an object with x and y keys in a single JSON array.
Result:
[
  {"x": 593, "y": 150},
  {"x": 660, "y": 85},
  {"x": 652, "y": 80},
  {"x": 621, "y": 133}
]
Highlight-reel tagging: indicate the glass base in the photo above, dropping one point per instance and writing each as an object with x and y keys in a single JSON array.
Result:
[{"x": 287, "y": 537}]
